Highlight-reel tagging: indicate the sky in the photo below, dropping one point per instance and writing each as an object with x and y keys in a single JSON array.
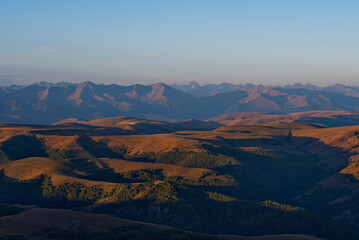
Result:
[{"x": 177, "y": 41}]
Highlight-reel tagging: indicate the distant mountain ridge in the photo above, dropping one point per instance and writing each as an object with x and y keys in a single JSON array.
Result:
[
  {"x": 212, "y": 89},
  {"x": 46, "y": 103},
  {"x": 194, "y": 88}
]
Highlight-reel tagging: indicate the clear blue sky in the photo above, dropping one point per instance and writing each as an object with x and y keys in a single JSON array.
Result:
[{"x": 146, "y": 41}]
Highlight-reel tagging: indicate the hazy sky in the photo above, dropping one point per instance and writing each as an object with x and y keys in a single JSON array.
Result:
[{"x": 146, "y": 41}]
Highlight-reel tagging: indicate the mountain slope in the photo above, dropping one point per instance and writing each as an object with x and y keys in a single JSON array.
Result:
[
  {"x": 88, "y": 100},
  {"x": 45, "y": 104},
  {"x": 337, "y": 195},
  {"x": 39, "y": 223},
  {"x": 212, "y": 89},
  {"x": 222, "y": 178}
]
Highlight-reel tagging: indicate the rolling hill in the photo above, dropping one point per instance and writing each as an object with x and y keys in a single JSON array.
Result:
[
  {"x": 143, "y": 126},
  {"x": 325, "y": 118},
  {"x": 40, "y": 223},
  {"x": 239, "y": 180}
]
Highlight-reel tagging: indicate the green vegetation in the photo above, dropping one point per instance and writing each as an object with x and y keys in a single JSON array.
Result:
[
  {"x": 23, "y": 146},
  {"x": 284, "y": 207},
  {"x": 144, "y": 174},
  {"x": 4, "y": 158},
  {"x": 96, "y": 149},
  {"x": 195, "y": 159},
  {"x": 173, "y": 204},
  {"x": 67, "y": 154},
  {"x": 200, "y": 182},
  {"x": 270, "y": 174},
  {"x": 220, "y": 197},
  {"x": 119, "y": 151},
  {"x": 186, "y": 159},
  {"x": 231, "y": 198},
  {"x": 74, "y": 192},
  {"x": 229, "y": 217},
  {"x": 160, "y": 192}
]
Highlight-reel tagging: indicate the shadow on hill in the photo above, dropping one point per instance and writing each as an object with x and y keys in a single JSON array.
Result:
[
  {"x": 336, "y": 197},
  {"x": 97, "y": 149},
  {"x": 269, "y": 167},
  {"x": 84, "y": 130},
  {"x": 276, "y": 168},
  {"x": 13, "y": 191},
  {"x": 23, "y": 146},
  {"x": 137, "y": 129},
  {"x": 311, "y": 179},
  {"x": 93, "y": 172},
  {"x": 234, "y": 217}
]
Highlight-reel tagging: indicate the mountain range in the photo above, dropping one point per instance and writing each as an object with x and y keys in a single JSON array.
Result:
[
  {"x": 243, "y": 162},
  {"x": 46, "y": 103},
  {"x": 212, "y": 89}
]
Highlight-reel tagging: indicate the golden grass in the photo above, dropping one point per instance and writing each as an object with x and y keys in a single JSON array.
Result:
[
  {"x": 30, "y": 168},
  {"x": 337, "y": 147},
  {"x": 333, "y": 146},
  {"x": 168, "y": 169},
  {"x": 150, "y": 143},
  {"x": 61, "y": 142},
  {"x": 343, "y": 137},
  {"x": 61, "y": 172},
  {"x": 255, "y": 118},
  {"x": 353, "y": 167}
]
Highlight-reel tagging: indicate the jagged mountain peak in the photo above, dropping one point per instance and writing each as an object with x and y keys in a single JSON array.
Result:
[
  {"x": 193, "y": 84},
  {"x": 159, "y": 85},
  {"x": 87, "y": 100},
  {"x": 86, "y": 84},
  {"x": 261, "y": 89}
]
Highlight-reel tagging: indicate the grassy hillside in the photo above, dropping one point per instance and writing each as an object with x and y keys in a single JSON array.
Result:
[
  {"x": 223, "y": 178},
  {"x": 64, "y": 224},
  {"x": 336, "y": 196},
  {"x": 39, "y": 223},
  {"x": 325, "y": 118}
]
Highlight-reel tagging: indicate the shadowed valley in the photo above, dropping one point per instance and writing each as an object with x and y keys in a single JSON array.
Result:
[{"x": 284, "y": 178}]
